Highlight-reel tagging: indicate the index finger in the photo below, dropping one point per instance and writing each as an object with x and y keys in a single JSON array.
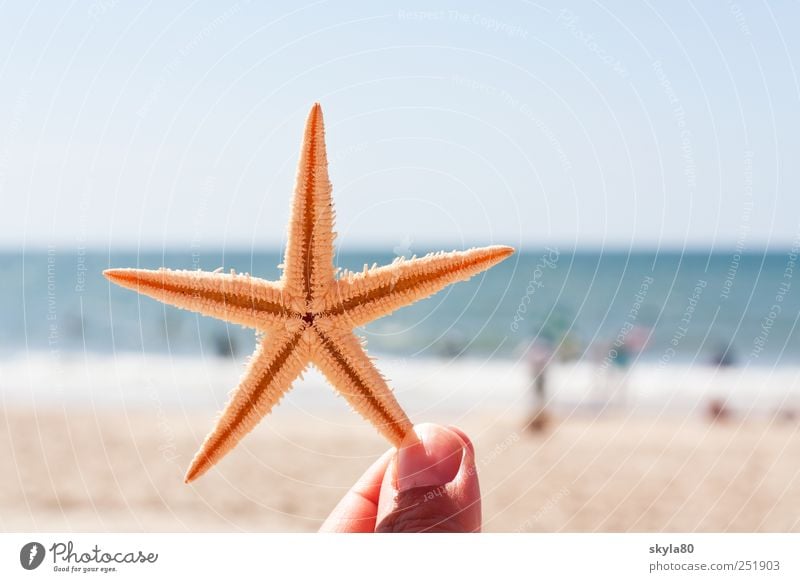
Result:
[{"x": 357, "y": 510}]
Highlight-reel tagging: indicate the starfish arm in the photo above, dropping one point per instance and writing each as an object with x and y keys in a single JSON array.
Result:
[
  {"x": 341, "y": 358},
  {"x": 362, "y": 297},
  {"x": 278, "y": 360},
  {"x": 308, "y": 264},
  {"x": 239, "y": 299}
]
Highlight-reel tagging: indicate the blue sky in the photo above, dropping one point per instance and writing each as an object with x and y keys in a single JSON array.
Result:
[{"x": 579, "y": 124}]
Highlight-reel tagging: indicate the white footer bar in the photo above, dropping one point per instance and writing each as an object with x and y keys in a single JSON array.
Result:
[{"x": 494, "y": 557}]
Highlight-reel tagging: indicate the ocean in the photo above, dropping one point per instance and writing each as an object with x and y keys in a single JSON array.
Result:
[
  {"x": 63, "y": 326},
  {"x": 693, "y": 304}
]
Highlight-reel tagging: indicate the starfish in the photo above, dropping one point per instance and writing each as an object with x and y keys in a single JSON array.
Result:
[{"x": 308, "y": 316}]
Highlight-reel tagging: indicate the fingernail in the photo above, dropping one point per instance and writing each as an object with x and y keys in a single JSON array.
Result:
[{"x": 429, "y": 458}]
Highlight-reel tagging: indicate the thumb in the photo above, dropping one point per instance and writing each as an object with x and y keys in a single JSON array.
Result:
[{"x": 431, "y": 484}]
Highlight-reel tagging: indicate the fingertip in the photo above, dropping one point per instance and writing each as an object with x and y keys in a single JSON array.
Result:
[
  {"x": 467, "y": 442},
  {"x": 432, "y": 456}
]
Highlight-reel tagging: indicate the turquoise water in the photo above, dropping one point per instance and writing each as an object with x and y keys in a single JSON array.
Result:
[{"x": 692, "y": 307}]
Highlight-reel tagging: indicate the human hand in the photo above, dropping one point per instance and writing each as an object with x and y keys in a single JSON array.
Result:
[{"x": 429, "y": 485}]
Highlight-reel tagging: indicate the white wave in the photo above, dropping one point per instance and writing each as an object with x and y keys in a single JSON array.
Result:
[{"x": 425, "y": 387}]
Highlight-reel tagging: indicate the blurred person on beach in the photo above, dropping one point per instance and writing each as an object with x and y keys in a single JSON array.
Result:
[
  {"x": 429, "y": 484},
  {"x": 539, "y": 356},
  {"x": 717, "y": 410},
  {"x": 724, "y": 356},
  {"x": 555, "y": 340},
  {"x": 453, "y": 344},
  {"x": 224, "y": 345},
  {"x": 620, "y": 353}
]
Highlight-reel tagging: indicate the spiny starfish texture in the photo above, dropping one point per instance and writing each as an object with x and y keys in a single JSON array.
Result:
[{"x": 309, "y": 315}]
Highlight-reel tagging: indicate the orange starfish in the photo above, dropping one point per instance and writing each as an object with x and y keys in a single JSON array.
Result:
[{"x": 309, "y": 315}]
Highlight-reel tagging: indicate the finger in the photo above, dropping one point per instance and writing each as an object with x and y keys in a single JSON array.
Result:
[
  {"x": 357, "y": 510},
  {"x": 431, "y": 485}
]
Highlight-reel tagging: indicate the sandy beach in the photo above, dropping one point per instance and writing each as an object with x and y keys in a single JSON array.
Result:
[{"x": 78, "y": 469}]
